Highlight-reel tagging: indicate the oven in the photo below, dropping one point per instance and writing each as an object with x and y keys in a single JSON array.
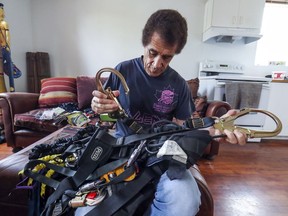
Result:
[{"x": 226, "y": 81}]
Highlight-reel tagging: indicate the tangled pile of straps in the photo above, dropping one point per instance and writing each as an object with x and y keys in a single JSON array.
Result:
[{"x": 113, "y": 175}]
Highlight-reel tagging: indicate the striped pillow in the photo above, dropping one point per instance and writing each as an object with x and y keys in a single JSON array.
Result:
[{"x": 57, "y": 90}]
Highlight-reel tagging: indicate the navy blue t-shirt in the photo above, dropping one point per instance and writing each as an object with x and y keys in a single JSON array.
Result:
[{"x": 150, "y": 98}]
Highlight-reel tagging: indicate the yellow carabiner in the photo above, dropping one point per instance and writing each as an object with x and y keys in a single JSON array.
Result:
[
  {"x": 228, "y": 123},
  {"x": 120, "y": 112}
]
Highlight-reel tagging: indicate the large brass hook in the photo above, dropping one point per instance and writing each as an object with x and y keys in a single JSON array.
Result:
[
  {"x": 120, "y": 112},
  {"x": 228, "y": 123},
  {"x": 117, "y": 73}
]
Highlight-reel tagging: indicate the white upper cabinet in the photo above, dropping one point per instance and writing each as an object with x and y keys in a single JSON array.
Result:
[{"x": 234, "y": 14}]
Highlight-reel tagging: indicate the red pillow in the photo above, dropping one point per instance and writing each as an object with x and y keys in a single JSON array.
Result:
[
  {"x": 57, "y": 90},
  {"x": 85, "y": 86},
  {"x": 194, "y": 86}
]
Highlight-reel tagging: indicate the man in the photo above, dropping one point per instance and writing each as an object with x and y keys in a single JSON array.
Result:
[{"x": 158, "y": 92}]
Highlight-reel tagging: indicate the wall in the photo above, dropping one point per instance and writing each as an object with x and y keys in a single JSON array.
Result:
[
  {"x": 95, "y": 34},
  {"x": 83, "y": 36}
]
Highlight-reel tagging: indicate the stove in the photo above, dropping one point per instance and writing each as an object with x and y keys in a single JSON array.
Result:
[
  {"x": 226, "y": 71},
  {"x": 214, "y": 74},
  {"x": 215, "y": 77}
]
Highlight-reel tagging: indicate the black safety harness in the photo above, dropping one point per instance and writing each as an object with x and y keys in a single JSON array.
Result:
[{"x": 104, "y": 153}]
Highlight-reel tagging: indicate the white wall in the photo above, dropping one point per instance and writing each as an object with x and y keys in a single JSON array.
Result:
[
  {"x": 97, "y": 33},
  {"x": 83, "y": 36}
]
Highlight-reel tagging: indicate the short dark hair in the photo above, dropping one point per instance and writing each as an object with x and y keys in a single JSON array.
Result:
[{"x": 170, "y": 25}]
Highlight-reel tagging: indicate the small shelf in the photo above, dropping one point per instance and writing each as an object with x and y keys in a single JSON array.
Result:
[{"x": 280, "y": 81}]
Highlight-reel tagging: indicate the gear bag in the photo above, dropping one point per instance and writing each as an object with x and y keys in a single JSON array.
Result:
[{"x": 116, "y": 175}]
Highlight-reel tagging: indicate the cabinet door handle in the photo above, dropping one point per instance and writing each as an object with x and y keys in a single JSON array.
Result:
[
  {"x": 234, "y": 20},
  {"x": 240, "y": 20}
]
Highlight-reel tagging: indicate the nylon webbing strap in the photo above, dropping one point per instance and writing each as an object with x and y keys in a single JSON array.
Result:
[
  {"x": 128, "y": 171},
  {"x": 43, "y": 179},
  {"x": 195, "y": 123},
  {"x": 138, "y": 137},
  {"x": 95, "y": 153},
  {"x": 113, "y": 203},
  {"x": 206, "y": 122},
  {"x": 133, "y": 125},
  {"x": 106, "y": 168}
]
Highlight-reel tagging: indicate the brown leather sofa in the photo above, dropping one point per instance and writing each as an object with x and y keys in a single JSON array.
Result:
[
  {"x": 17, "y": 137},
  {"x": 14, "y": 202},
  {"x": 13, "y": 103}
]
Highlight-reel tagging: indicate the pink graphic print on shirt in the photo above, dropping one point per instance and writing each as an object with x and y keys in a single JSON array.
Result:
[{"x": 166, "y": 99}]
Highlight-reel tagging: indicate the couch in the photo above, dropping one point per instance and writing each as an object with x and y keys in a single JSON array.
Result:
[{"x": 19, "y": 109}]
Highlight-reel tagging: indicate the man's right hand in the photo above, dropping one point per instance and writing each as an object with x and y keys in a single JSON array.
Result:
[{"x": 102, "y": 104}]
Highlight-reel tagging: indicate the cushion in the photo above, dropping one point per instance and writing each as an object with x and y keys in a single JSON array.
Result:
[
  {"x": 201, "y": 105},
  {"x": 29, "y": 120},
  {"x": 57, "y": 90},
  {"x": 85, "y": 86},
  {"x": 194, "y": 86}
]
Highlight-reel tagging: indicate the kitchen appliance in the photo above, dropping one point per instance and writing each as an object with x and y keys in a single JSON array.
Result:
[
  {"x": 215, "y": 75},
  {"x": 234, "y": 21}
]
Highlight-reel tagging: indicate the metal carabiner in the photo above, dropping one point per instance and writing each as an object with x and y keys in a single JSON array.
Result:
[
  {"x": 228, "y": 123},
  {"x": 120, "y": 112}
]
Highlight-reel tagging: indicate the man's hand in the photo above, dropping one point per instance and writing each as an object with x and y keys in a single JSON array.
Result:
[
  {"x": 235, "y": 137},
  {"x": 102, "y": 104}
]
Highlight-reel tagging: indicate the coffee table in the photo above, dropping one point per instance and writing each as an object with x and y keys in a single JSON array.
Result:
[{"x": 12, "y": 201}]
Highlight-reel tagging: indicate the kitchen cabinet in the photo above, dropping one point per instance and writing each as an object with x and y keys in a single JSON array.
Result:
[
  {"x": 234, "y": 14},
  {"x": 278, "y": 104}
]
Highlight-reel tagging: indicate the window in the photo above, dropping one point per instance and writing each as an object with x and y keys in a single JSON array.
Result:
[{"x": 272, "y": 48}]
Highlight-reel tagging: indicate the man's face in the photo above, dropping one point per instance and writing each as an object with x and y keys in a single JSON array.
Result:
[{"x": 157, "y": 56}]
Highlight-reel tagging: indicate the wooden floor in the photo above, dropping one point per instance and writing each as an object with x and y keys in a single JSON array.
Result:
[
  {"x": 250, "y": 180},
  {"x": 5, "y": 151}
]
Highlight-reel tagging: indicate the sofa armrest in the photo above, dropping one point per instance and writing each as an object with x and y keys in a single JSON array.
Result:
[
  {"x": 217, "y": 108},
  {"x": 20, "y": 102},
  {"x": 207, "y": 202},
  {"x": 12, "y": 103}
]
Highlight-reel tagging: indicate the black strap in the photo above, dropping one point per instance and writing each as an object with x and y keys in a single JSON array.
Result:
[
  {"x": 143, "y": 198},
  {"x": 113, "y": 203},
  {"x": 195, "y": 123},
  {"x": 205, "y": 122},
  {"x": 128, "y": 171},
  {"x": 96, "y": 152},
  {"x": 133, "y": 125},
  {"x": 138, "y": 137},
  {"x": 38, "y": 176}
]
